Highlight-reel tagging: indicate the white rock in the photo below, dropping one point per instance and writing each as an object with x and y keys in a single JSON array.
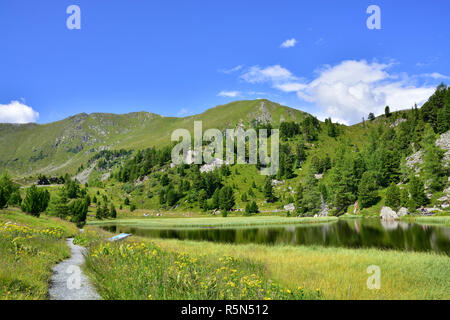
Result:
[
  {"x": 276, "y": 182},
  {"x": 402, "y": 212},
  {"x": 215, "y": 163},
  {"x": 444, "y": 143},
  {"x": 289, "y": 207},
  {"x": 387, "y": 214},
  {"x": 415, "y": 160}
]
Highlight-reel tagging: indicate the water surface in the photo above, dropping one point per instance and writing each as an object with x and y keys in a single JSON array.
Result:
[{"x": 350, "y": 233}]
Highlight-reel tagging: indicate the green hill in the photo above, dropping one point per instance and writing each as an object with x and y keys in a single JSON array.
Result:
[
  {"x": 325, "y": 167},
  {"x": 62, "y": 146}
]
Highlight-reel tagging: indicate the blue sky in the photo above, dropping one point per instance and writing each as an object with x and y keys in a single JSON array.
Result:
[{"x": 179, "y": 58}]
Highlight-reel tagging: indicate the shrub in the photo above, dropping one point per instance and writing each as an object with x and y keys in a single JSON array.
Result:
[
  {"x": 251, "y": 208},
  {"x": 367, "y": 190},
  {"x": 7, "y": 188},
  {"x": 393, "y": 197},
  {"x": 15, "y": 199},
  {"x": 35, "y": 201},
  {"x": 78, "y": 210},
  {"x": 226, "y": 198},
  {"x": 112, "y": 211}
]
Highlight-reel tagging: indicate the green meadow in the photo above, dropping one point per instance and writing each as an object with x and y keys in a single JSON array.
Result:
[{"x": 29, "y": 248}]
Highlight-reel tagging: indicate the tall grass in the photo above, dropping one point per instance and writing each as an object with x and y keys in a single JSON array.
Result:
[
  {"x": 29, "y": 247},
  {"x": 213, "y": 222},
  {"x": 142, "y": 270},
  {"x": 339, "y": 273},
  {"x": 445, "y": 220}
]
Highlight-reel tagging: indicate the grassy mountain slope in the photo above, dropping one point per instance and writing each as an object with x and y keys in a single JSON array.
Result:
[{"x": 62, "y": 146}]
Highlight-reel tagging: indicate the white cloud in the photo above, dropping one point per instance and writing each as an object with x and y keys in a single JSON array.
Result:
[
  {"x": 17, "y": 112},
  {"x": 229, "y": 94},
  {"x": 349, "y": 90},
  {"x": 274, "y": 73},
  {"x": 228, "y": 71},
  {"x": 290, "y": 86},
  {"x": 352, "y": 89},
  {"x": 288, "y": 43},
  {"x": 435, "y": 75}
]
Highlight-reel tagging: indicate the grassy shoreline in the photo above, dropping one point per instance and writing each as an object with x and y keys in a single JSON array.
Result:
[
  {"x": 339, "y": 273},
  {"x": 209, "y": 222},
  {"x": 431, "y": 220},
  {"x": 335, "y": 273},
  {"x": 140, "y": 268}
]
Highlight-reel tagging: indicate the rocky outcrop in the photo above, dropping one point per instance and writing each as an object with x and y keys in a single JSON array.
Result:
[
  {"x": 388, "y": 214},
  {"x": 402, "y": 212},
  {"x": 264, "y": 116},
  {"x": 215, "y": 163},
  {"x": 396, "y": 123},
  {"x": 277, "y": 182},
  {"x": 83, "y": 176},
  {"x": 415, "y": 160},
  {"x": 444, "y": 143}
]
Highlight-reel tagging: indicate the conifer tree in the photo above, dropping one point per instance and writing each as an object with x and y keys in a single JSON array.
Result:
[
  {"x": 112, "y": 211},
  {"x": 393, "y": 197},
  {"x": 268, "y": 191},
  {"x": 35, "y": 201},
  {"x": 416, "y": 190},
  {"x": 226, "y": 198},
  {"x": 343, "y": 182}
]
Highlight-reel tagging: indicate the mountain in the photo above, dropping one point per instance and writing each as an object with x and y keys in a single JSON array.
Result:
[
  {"x": 398, "y": 159},
  {"x": 61, "y": 147}
]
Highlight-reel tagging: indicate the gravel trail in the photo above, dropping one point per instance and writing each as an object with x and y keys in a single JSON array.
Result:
[{"x": 68, "y": 281}]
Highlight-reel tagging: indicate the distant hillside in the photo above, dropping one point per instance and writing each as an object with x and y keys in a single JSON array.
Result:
[
  {"x": 61, "y": 147},
  {"x": 398, "y": 159}
]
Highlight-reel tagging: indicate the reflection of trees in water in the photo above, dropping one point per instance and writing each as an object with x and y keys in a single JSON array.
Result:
[{"x": 344, "y": 233}]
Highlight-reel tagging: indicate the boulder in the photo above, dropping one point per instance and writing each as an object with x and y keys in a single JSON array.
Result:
[
  {"x": 402, "y": 212},
  {"x": 289, "y": 207},
  {"x": 388, "y": 214}
]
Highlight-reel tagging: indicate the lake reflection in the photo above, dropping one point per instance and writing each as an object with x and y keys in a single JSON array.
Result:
[{"x": 351, "y": 233}]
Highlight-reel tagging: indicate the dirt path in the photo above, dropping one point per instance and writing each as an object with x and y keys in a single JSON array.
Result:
[{"x": 68, "y": 281}]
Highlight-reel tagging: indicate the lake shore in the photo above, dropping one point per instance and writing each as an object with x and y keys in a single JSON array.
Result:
[
  {"x": 122, "y": 270},
  {"x": 337, "y": 273},
  {"x": 217, "y": 222}
]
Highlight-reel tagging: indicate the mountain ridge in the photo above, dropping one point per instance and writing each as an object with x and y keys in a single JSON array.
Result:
[{"x": 65, "y": 144}]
